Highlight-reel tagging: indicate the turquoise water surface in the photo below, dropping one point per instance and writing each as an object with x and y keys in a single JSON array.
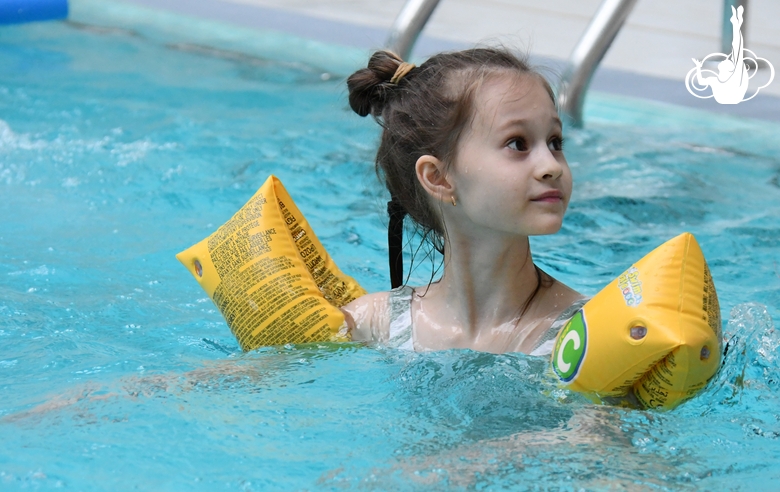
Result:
[{"x": 119, "y": 147}]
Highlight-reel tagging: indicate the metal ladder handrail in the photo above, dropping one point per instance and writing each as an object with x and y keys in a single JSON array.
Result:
[
  {"x": 408, "y": 25},
  {"x": 595, "y": 42},
  {"x": 587, "y": 55}
]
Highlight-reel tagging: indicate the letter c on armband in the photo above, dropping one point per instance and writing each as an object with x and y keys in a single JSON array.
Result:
[
  {"x": 570, "y": 337},
  {"x": 570, "y": 348}
]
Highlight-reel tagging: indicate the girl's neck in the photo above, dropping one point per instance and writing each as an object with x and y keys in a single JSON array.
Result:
[{"x": 485, "y": 287}]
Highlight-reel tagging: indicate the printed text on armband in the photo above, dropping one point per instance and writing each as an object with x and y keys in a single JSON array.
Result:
[{"x": 630, "y": 286}]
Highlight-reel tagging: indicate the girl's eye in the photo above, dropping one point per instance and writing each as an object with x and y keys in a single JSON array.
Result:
[
  {"x": 556, "y": 144},
  {"x": 517, "y": 144}
]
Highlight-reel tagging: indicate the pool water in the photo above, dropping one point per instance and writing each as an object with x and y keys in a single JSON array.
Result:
[{"x": 119, "y": 148}]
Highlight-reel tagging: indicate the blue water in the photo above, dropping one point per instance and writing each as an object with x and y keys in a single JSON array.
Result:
[{"x": 119, "y": 149}]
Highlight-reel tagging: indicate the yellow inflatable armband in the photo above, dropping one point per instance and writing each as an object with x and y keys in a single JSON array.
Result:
[
  {"x": 269, "y": 275},
  {"x": 653, "y": 332}
]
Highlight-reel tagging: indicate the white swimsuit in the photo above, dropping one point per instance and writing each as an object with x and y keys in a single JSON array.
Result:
[{"x": 400, "y": 315}]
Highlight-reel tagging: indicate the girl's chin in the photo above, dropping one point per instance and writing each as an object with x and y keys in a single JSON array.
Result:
[{"x": 547, "y": 229}]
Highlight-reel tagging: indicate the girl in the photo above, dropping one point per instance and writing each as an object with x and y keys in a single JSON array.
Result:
[{"x": 472, "y": 151}]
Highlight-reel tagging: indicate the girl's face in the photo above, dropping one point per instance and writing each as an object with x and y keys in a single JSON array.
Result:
[{"x": 509, "y": 174}]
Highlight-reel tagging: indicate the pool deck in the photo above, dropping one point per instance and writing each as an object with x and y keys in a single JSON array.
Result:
[{"x": 649, "y": 58}]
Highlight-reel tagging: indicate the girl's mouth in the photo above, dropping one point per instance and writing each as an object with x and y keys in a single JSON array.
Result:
[{"x": 549, "y": 196}]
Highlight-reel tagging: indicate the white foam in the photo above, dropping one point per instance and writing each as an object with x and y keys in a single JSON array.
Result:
[{"x": 10, "y": 140}]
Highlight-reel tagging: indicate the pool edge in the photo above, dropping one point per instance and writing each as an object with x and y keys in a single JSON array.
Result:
[{"x": 360, "y": 40}]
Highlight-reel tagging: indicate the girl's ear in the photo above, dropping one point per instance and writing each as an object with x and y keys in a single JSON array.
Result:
[{"x": 433, "y": 177}]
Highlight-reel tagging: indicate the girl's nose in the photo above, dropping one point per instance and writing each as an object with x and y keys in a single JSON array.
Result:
[{"x": 549, "y": 167}]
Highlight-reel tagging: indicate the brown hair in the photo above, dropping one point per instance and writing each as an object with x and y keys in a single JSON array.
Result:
[{"x": 424, "y": 113}]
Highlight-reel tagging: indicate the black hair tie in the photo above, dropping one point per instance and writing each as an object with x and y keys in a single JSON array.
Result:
[{"x": 395, "y": 240}]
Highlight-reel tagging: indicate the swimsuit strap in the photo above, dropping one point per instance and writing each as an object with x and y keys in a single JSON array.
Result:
[
  {"x": 399, "y": 305},
  {"x": 546, "y": 344}
]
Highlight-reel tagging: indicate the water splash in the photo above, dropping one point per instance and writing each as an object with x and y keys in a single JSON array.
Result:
[{"x": 751, "y": 364}]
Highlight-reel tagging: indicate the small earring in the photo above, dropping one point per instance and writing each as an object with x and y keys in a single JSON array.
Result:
[{"x": 453, "y": 200}]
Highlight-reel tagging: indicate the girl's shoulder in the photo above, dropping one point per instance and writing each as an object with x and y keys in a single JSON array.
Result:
[
  {"x": 558, "y": 303},
  {"x": 360, "y": 313},
  {"x": 556, "y": 298},
  {"x": 369, "y": 317}
]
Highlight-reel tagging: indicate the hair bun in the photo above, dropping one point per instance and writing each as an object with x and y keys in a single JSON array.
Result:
[{"x": 370, "y": 87}]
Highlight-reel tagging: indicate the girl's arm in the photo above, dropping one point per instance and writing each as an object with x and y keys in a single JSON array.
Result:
[{"x": 367, "y": 317}]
